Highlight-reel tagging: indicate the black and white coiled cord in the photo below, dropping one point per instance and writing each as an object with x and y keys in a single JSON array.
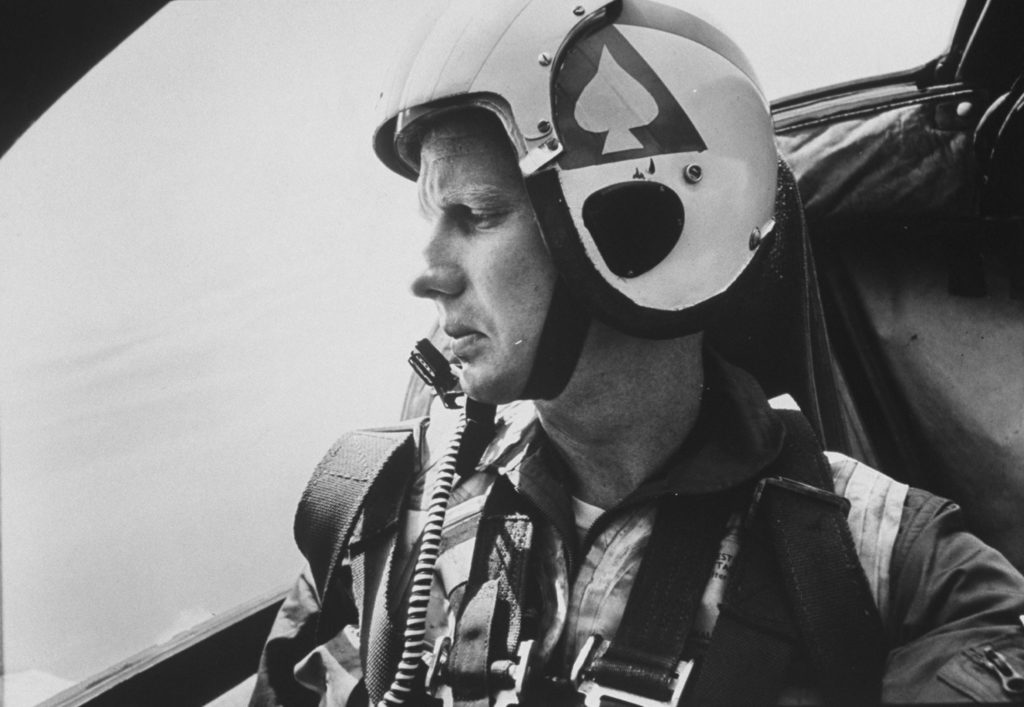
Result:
[{"x": 423, "y": 575}]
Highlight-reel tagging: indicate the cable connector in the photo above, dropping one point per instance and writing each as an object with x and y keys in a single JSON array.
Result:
[{"x": 434, "y": 370}]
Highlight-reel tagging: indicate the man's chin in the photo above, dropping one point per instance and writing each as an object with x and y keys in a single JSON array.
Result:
[{"x": 490, "y": 389}]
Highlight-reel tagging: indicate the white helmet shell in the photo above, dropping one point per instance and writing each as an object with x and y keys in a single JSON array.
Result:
[{"x": 645, "y": 139}]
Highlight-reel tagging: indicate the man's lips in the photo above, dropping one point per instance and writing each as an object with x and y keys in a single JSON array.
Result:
[
  {"x": 456, "y": 329},
  {"x": 465, "y": 341}
]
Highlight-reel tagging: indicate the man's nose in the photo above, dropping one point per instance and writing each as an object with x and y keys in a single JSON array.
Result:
[{"x": 442, "y": 275}]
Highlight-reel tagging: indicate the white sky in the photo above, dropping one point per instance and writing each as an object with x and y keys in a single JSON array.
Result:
[{"x": 203, "y": 279}]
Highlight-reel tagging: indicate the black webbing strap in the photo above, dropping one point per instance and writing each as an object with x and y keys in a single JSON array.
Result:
[
  {"x": 491, "y": 617},
  {"x": 381, "y": 626},
  {"x": 469, "y": 663},
  {"x": 680, "y": 556},
  {"x": 754, "y": 639},
  {"x": 835, "y": 610},
  {"x": 797, "y": 585},
  {"x": 365, "y": 470}
]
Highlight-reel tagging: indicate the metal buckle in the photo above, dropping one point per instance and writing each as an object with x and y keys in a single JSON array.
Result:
[
  {"x": 437, "y": 663},
  {"x": 798, "y": 487},
  {"x": 511, "y": 675},
  {"x": 593, "y": 692},
  {"x": 512, "y": 672}
]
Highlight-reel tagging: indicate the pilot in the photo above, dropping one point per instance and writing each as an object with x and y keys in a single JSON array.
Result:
[{"x": 616, "y": 514}]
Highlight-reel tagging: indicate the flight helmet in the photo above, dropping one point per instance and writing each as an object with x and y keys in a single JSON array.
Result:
[{"x": 644, "y": 138}]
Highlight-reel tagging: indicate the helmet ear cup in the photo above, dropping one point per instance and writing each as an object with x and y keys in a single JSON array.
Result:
[{"x": 635, "y": 225}]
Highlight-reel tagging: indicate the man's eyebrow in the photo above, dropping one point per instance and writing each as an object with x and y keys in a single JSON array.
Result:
[{"x": 477, "y": 196}]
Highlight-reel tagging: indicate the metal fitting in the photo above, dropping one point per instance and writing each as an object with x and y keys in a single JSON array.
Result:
[
  {"x": 755, "y": 238},
  {"x": 544, "y": 127},
  {"x": 693, "y": 173},
  {"x": 578, "y": 11},
  {"x": 437, "y": 663},
  {"x": 544, "y": 59}
]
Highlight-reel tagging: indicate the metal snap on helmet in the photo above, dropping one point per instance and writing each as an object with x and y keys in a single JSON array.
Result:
[{"x": 643, "y": 135}]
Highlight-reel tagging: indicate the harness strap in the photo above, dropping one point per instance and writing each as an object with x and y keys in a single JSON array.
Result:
[
  {"x": 680, "y": 556},
  {"x": 470, "y": 657},
  {"x": 363, "y": 476},
  {"x": 347, "y": 482},
  {"x": 835, "y": 610},
  {"x": 499, "y": 569},
  {"x": 797, "y": 582},
  {"x": 754, "y": 639},
  {"x": 383, "y": 625}
]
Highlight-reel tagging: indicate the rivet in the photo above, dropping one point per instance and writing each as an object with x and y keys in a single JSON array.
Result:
[
  {"x": 552, "y": 144},
  {"x": 544, "y": 127},
  {"x": 544, "y": 59},
  {"x": 578, "y": 10},
  {"x": 755, "y": 238},
  {"x": 964, "y": 108},
  {"x": 692, "y": 173}
]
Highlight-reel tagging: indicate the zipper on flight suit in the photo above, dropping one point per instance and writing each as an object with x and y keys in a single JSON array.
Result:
[{"x": 995, "y": 663}]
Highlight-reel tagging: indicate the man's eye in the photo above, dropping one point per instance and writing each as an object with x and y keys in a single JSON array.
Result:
[
  {"x": 477, "y": 218},
  {"x": 482, "y": 217}
]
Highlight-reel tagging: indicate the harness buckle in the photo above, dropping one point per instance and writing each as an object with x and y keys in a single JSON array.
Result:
[
  {"x": 515, "y": 674},
  {"x": 437, "y": 664},
  {"x": 511, "y": 675},
  {"x": 593, "y": 692}
]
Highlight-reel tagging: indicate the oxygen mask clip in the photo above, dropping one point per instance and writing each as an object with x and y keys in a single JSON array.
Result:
[{"x": 432, "y": 367}]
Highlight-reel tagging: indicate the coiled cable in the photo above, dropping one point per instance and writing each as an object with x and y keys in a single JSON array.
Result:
[{"x": 423, "y": 575}]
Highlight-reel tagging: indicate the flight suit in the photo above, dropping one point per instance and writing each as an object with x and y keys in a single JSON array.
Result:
[{"x": 950, "y": 605}]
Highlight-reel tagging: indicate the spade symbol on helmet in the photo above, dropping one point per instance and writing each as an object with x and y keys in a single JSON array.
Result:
[{"x": 610, "y": 105}]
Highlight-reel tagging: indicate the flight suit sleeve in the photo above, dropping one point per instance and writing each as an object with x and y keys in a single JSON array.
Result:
[
  {"x": 294, "y": 670},
  {"x": 955, "y": 610},
  {"x": 292, "y": 636}
]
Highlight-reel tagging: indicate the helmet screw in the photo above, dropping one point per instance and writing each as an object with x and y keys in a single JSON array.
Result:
[
  {"x": 544, "y": 127},
  {"x": 692, "y": 173},
  {"x": 552, "y": 144},
  {"x": 755, "y": 238},
  {"x": 544, "y": 59},
  {"x": 578, "y": 10}
]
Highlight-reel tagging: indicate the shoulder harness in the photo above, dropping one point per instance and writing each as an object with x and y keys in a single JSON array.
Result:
[{"x": 797, "y": 587}]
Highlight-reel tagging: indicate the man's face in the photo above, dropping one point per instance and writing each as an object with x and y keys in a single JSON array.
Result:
[{"x": 487, "y": 269}]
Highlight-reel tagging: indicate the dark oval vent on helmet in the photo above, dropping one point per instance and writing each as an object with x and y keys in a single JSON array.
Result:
[{"x": 634, "y": 224}]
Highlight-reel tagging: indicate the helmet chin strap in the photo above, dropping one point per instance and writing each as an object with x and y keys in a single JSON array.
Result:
[{"x": 561, "y": 341}]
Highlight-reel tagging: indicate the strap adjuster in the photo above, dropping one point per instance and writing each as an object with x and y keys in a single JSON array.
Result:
[
  {"x": 798, "y": 487},
  {"x": 593, "y": 692}
]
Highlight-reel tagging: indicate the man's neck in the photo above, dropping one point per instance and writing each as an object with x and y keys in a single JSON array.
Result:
[{"x": 629, "y": 406}]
